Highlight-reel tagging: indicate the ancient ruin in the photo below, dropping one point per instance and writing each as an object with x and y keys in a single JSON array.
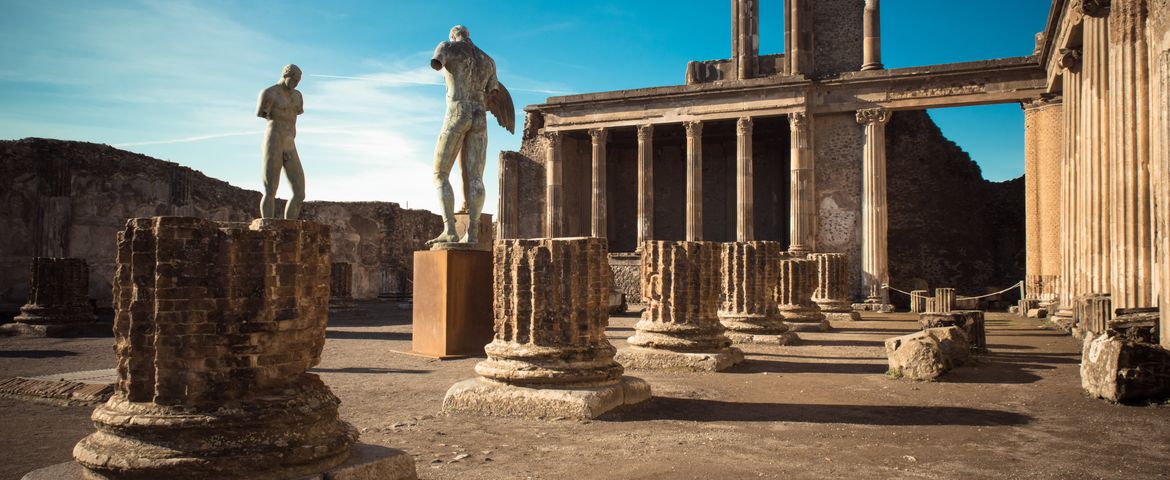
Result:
[
  {"x": 794, "y": 295},
  {"x": 341, "y": 286},
  {"x": 58, "y": 299},
  {"x": 749, "y": 313},
  {"x": 832, "y": 292},
  {"x": 550, "y": 356}
]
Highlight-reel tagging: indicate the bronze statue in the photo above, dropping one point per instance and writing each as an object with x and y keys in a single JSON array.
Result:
[{"x": 280, "y": 104}]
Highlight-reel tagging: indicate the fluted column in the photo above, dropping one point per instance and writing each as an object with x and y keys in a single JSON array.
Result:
[
  {"x": 1159, "y": 34},
  {"x": 1095, "y": 145},
  {"x": 832, "y": 290},
  {"x": 748, "y": 311},
  {"x": 802, "y": 193},
  {"x": 874, "y": 220},
  {"x": 680, "y": 326},
  {"x": 694, "y": 227},
  {"x": 645, "y": 184},
  {"x": 745, "y": 203},
  {"x": 553, "y": 209},
  {"x": 871, "y": 30},
  {"x": 599, "y": 217},
  {"x": 1071, "y": 219},
  {"x": 1129, "y": 123},
  {"x": 549, "y": 356},
  {"x": 794, "y": 290}
]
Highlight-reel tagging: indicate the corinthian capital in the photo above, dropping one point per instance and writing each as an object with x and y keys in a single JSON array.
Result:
[
  {"x": 744, "y": 126},
  {"x": 1094, "y": 8},
  {"x": 1070, "y": 59},
  {"x": 694, "y": 128},
  {"x": 598, "y": 134},
  {"x": 553, "y": 138},
  {"x": 645, "y": 132},
  {"x": 873, "y": 115}
]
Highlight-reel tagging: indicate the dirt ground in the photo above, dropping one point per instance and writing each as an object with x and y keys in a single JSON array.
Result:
[{"x": 821, "y": 409}]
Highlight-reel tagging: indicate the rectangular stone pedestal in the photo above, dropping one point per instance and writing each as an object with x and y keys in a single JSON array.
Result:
[
  {"x": 452, "y": 302},
  {"x": 485, "y": 397}
]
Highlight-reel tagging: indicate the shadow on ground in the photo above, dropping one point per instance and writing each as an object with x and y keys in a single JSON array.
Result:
[
  {"x": 699, "y": 410},
  {"x": 36, "y": 353}
]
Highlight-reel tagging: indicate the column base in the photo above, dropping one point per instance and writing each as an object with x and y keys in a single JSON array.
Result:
[
  {"x": 850, "y": 316},
  {"x": 1063, "y": 319},
  {"x": 786, "y": 338},
  {"x": 805, "y": 319},
  {"x": 479, "y": 396},
  {"x": 834, "y": 306},
  {"x": 638, "y": 358},
  {"x": 365, "y": 461},
  {"x": 53, "y": 330},
  {"x": 873, "y": 307},
  {"x": 814, "y": 326}
]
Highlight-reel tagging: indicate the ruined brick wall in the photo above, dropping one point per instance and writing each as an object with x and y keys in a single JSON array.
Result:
[
  {"x": 948, "y": 226},
  {"x": 69, "y": 199},
  {"x": 839, "y": 142},
  {"x": 837, "y": 31}
]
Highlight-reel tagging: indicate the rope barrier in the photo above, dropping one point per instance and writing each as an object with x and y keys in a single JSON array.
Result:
[{"x": 1019, "y": 284}]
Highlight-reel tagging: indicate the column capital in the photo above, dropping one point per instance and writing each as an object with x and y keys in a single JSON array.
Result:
[
  {"x": 743, "y": 126},
  {"x": 798, "y": 120},
  {"x": 553, "y": 137},
  {"x": 599, "y": 134},
  {"x": 873, "y": 116},
  {"x": 1070, "y": 59},
  {"x": 1094, "y": 8},
  {"x": 694, "y": 127},
  {"x": 645, "y": 132},
  {"x": 1041, "y": 102}
]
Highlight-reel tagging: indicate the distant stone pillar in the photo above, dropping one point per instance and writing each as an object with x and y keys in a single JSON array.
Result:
[
  {"x": 871, "y": 29},
  {"x": 832, "y": 288},
  {"x": 1071, "y": 219},
  {"x": 745, "y": 202},
  {"x": 874, "y": 220},
  {"x": 645, "y": 184},
  {"x": 680, "y": 326},
  {"x": 341, "y": 286},
  {"x": 748, "y": 312},
  {"x": 1043, "y": 127},
  {"x": 215, "y": 327},
  {"x": 508, "y": 225},
  {"x": 553, "y": 208},
  {"x": 550, "y": 356},
  {"x": 802, "y": 194},
  {"x": 794, "y": 291},
  {"x": 1129, "y": 157},
  {"x": 600, "y": 205},
  {"x": 945, "y": 300},
  {"x": 694, "y": 227},
  {"x": 745, "y": 37},
  {"x": 918, "y": 301},
  {"x": 58, "y": 299}
]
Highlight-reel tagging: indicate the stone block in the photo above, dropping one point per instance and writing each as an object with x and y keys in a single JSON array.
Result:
[
  {"x": 928, "y": 354},
  {"x": 971, "y": 322},
  {"x": 452, "y": 303},
  {"x": 486, "y": 397},
  {"x": 1037, "y": 313},
  {"x": 1125, "y": 371}
]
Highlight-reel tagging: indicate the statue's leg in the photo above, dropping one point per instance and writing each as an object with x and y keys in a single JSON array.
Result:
[
  {"x": 272, "y": 158},
  {"x": 474, "y": 159},
  {"x": 463, "y": 172},
  {"x": 296, "y": 180},
  {"x": 450, "y": 140}
]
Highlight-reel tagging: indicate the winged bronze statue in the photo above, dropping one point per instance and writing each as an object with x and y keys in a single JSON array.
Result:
[{"x": 472, "y": 91}]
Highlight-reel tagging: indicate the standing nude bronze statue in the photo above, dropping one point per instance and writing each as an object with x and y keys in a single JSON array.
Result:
[
  {"x": 280, "y": 104},
  {"x": 472, "y": 91}
]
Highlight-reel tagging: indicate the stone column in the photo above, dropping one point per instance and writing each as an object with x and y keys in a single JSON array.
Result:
[
  {"x": 1043, "y": 126},
  {"x": 944, "y": 300},
  {"x": 802, "y": 194},
  {"x": 745, "y": 202},
  {"x": 553, "y": 208},
  {"x": 645, "y": 184},
  {"x": 1071, "y": 219},
  {"x": 1159, "y": 34},
  {"x": 58, "y": 300},
  {"x": 694, "y": 227},
  {"x": 600, "y": 205},
  {"x": 832, "y": 289},
  {"x": 749, "y": 274},
  {"x": 215, "y": 326},
  {"x": 871, "y": 28},
  {"x": 680, "y": 327},
  {"x": 874, "y": 220},
  {"x": 341, "y": 286},
  {"x": 1129, "y": 157},
  {"x": 918, "y": 300},
  {"x": 1095, "y": 146},
  {"x": 745, "y": 37},
  {"x": 550, "y": 356},
  {"x": 794, "y": 291}
]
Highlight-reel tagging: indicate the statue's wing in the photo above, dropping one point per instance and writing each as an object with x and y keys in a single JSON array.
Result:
[{"x": 499, "y": 102}]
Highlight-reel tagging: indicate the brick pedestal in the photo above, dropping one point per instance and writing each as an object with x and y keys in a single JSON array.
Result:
[
  {"x": 680, "y": 327},
  {"x": 58, "y": 299},
  {"x": 794, "y": 289},
  {"x": 550, "y": 356},
  {"x": 832, "y": 290},
  {"x": 215, "y": 327},
  {"x": 748, "y": 311}
]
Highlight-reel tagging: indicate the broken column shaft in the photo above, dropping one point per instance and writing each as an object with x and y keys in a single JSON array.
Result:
[
  {"x": 748, "y": 310},
  {"x": 794, "y": 290}
]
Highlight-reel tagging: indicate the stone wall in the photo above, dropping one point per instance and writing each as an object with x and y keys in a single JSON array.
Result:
[
  {"x": 69, "y": 199},
  {"x": 837, "y": 27},
  {"x": 838, "y": 141}
]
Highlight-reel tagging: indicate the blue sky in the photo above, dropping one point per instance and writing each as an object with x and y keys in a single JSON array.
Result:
[{"x": 178, "y": 80}]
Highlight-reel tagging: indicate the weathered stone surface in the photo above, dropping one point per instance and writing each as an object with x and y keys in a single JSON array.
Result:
[
  {"x": 832, "y": 291},
  {"x": 918, "y": 301},
  {"x": 1124, "y": 371},
  {"x": 1135, "y": 324},
  {"x": 215, "y": 326},
  {"x": 794, "y": 289},
  {"x": 971, "y": 322},
  {"x": 680, "y": 327},
  {"x": 944, "y": 301},
  {"x": 928, "y": 354},
  {"x": 1092, "y": 314},
  {"x": 1037, "y": 313},
  {"x": 550, "y": 356},
  {"x": 627, "y": 275},
  {"x": 749, "y": 311},
  {"x": 341, "y": 286},
  {"x": 58, "y": 299}
]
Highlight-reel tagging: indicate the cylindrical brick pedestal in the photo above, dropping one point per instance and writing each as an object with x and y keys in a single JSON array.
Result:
[
  {"x": 341, "y": 286},
  {"x": 58, "y": 299},
  {"x": 550, "y": 356},
  {"x": 680, "y": 327},
  {"x": 918, "y": 300},
  {"x": 794, "y": 289},
  {"x": 748, "y": 311},
  {"x": 215, "y": 327},
  {"x": 832, "y": 290}
]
